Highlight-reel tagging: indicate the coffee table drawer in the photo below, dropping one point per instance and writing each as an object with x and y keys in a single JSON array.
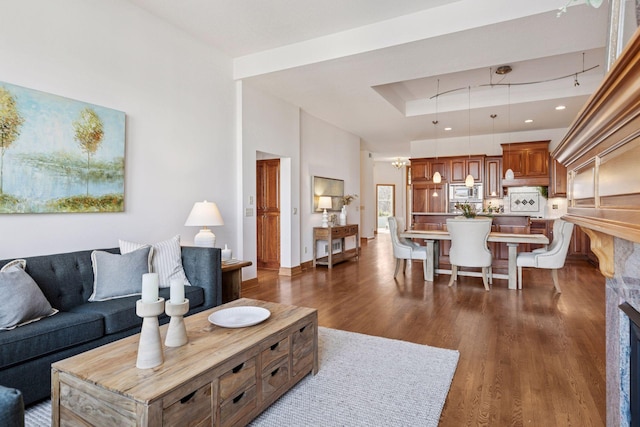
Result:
[
  {"x": 303, "y": 346},
  {"x": 273, "y": 379},
  {"x": 193, "y": 409},
  {"x": 237, "y": 379},
  {"x": 238, "y": 406},
  {"x": 274, "y": 352}
]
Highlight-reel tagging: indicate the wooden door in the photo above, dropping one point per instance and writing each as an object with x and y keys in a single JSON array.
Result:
[
  {"x": 429, "y": 198},
  {"x": 558, "y": 184},
  {"x": 514, "y": 160},
  {"x": 268, "y": 213},
  {"x": 420, "y": 170},
  {"x": 537, "y": 162},
  {"x": 441, "y": 166},
  {"x": 474, "y": 168},
  {"x": 458, "y": 170}
]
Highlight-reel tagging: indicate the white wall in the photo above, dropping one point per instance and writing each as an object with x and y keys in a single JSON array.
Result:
[
  {"x": 367, "y": 196},
  {"x": 178, "y": 96},
  {"x": 271, "y": 126},
  {"x": 332, "y": 153}
]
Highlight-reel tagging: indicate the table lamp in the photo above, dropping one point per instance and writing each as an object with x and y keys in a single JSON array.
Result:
[
  {"x": 204, "y": 214},
  {"x": 324, "y": 203}
]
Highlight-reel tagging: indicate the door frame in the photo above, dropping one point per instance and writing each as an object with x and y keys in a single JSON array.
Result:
[{"x": 393, "y": 201}]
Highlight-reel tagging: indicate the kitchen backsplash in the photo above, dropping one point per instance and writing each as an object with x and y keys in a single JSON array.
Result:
[{"x": 529, "y": 201}]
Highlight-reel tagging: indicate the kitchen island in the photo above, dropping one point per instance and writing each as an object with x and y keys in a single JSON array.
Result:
[{"x": 502, "y": 222}]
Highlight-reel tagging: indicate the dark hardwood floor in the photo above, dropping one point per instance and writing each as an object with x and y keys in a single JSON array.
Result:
[{"x": 527, "y": 358}]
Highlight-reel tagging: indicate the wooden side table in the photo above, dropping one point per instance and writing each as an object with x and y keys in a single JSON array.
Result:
[
  {"x": 232, "y": 279},
  {"x": 329, "y": 234}
]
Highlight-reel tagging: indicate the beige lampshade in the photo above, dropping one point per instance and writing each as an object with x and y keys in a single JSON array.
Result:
[
  {"x": 204, "y": 214},
  {"x": 324, "y": 202}
]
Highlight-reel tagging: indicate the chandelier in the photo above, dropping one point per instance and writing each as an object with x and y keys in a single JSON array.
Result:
[{"x": 398, "y": 164}]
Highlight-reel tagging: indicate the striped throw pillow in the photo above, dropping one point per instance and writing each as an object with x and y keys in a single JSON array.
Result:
[{"x": 167, "y": 259}]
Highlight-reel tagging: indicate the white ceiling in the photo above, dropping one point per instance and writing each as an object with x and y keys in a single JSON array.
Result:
[{"x": 372, "y": 67}]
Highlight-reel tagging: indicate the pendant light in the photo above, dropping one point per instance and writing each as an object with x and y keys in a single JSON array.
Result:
[
  {"x": 509, "y": 172},
  {"x": 437, "y": 178},
  {"x": 469, "y": 181},
  {"x": 493, "y": 138}
]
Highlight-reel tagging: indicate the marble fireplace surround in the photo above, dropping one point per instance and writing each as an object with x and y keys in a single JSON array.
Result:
[{"x": 623, "y": 287}]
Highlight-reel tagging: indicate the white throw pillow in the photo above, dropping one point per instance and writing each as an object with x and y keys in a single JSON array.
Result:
[
  {"x": 22, "y": 300},
  {"x": 16, "y": 262},
  {"x": 167, "y": 259}
]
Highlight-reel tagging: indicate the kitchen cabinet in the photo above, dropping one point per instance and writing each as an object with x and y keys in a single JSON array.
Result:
[
  {"x": 557, "y": 178},
  {"x": 420, "y": 170},
  {"x": 581, "y": 246},
  {"x": 529, "y": 162},
  {"x": 463, "y": 166},
  {"x": 423, "y": 169},
  {"x": 428, "y": 197},
  {"x": 492, "y": 177}
]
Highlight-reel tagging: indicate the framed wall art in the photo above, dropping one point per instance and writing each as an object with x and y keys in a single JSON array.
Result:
[
  {"x": 328, "y": 187},
  {"x": 58, "y": 154}
]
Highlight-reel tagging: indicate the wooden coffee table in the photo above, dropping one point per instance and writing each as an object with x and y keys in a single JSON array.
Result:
[{"x": 221, "y": 377}]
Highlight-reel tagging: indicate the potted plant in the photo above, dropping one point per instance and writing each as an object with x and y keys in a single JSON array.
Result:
[{"x": 468, "y": 211}]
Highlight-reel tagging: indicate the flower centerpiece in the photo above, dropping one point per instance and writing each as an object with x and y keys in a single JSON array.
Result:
[
  {"x": 468, "y": 211},
  {"x": 347, "y": 199}
]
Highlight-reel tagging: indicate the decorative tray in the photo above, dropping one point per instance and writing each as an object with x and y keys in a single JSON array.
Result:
[{"x": 239, "y": 317}]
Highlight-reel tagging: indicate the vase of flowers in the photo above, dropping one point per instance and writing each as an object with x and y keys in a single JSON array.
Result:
[
  {"x": 346, "y": 200},
  {"x": 468, "y": 210}
]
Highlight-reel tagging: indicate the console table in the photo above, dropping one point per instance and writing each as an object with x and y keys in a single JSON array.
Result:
[
  {"x": 222, "y": 377},
  {"x": 329, "y": 234}
]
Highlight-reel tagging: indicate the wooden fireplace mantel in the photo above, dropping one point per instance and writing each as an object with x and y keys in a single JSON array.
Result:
[{"x": 601, "y": 151}]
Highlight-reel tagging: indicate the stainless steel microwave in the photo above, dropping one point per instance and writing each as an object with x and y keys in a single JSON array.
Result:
[{"x": 462, "y": 193}]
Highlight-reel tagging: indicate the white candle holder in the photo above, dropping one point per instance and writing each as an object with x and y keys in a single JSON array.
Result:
[
  {"x": 177, "y": 332},
  {"x": 150, "y": 344}
]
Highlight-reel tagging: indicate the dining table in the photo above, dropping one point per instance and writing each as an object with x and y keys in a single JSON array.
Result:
[{"x": 511, "y": 239}]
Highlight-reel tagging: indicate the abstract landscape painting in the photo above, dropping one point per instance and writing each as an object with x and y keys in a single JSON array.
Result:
[{"x": 59, "y": 154}]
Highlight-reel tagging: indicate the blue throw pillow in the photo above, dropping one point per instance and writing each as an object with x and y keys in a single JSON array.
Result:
[
  {"x": 22, "y": 300},
  {"x": 118, "y": 276}
]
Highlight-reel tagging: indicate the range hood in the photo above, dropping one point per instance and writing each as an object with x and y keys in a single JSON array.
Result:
[{"x": 526, "y": 182}]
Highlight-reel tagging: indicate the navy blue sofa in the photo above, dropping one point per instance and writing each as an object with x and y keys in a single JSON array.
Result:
[{"x": 66, "y": 279}]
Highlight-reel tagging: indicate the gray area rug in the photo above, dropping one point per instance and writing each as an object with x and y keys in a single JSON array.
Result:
[{"x": 363, "y": 381}]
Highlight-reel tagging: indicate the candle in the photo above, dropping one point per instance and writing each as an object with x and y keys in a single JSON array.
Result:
[
  {"x": 150, "y": 287},
  {"x": 177, "y": 291}
]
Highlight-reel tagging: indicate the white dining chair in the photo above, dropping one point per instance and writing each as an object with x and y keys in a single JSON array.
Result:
[
  {"x": 404, "y": 251},
  {"x": 469, "y": 247},
  {"x": 551, "y": 258},
  {"x": 401, "y": 227}
]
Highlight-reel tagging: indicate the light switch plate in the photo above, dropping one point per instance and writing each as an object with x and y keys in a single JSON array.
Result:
[{"x": 248, "y": 212}]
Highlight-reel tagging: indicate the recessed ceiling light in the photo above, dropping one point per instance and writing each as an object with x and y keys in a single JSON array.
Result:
[
  {"x": 447, "y": 128},
  {"x": 560, "y": 107},
  {"x": 529, "y": 121}
]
